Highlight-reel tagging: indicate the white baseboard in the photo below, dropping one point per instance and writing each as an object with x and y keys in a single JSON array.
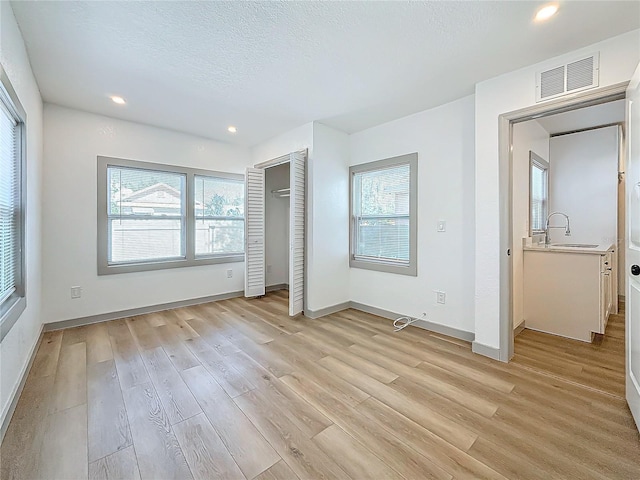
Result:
[
  {"x": 17, "y": 391},
  {"x": 485, "y": 350}
]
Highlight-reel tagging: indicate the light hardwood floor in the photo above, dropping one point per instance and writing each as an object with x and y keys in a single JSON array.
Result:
[{"x": 238, "y": 390}]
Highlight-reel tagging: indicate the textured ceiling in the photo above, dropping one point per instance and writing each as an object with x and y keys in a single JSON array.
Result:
[
  {"x": 268, "y": 67},
  {"x": 595, "y": 116}
]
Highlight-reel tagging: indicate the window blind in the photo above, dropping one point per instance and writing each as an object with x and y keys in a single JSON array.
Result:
[
  {"x": 146, "y": 212},
  {"x": 539, "y": 197},
  {"x": 381, "y": 214},
  {"x": 219, "y": 214},
  {"x": 9, "y": 202}
]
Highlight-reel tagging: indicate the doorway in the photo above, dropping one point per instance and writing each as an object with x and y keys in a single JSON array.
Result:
[
  {"x": 275, "y": 206},
  {"x": 506, "y": 122},
  {"x": 567, "y": 217}
]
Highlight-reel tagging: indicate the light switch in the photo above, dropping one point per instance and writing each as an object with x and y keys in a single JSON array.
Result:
[{"x": 442, "y": 226}]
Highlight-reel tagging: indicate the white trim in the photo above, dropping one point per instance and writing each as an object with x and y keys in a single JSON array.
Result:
[
  {"x": 322, "y": 312},
  {"x": 7, "y": 414},
  {"x": 485, "y": 350}
]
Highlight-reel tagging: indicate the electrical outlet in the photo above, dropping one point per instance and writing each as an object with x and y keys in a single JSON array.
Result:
[
  {"x": 229, "y": 273},
  {"x": 442, "y": 226},
  {"x": 76, "y": 292},
  {"x": 269, "y": 268},
  {"x": 441, "y": 297}
]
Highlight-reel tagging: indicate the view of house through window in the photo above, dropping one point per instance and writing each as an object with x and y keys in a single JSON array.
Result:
[
  {"x": 383, "y": 215},
  {"x": 147, "y": 213},
  {"x": 161, "y": 216}
]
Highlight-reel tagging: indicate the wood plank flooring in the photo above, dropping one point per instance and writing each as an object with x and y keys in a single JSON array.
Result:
[{"x": 238, "y": 390}]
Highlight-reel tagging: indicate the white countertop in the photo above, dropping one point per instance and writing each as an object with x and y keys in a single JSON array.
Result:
[{"x": 559, "y": 248}]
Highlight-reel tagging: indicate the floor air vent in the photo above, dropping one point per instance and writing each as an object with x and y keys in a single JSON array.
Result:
[{"x": 568, "y": 78}]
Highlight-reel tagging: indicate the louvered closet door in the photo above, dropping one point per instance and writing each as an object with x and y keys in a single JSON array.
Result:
[
  {"x": 254, "y": 276},
  {"x": 296, "y": 235}
]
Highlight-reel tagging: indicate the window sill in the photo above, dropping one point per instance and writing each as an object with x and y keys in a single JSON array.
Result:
[
  {"x": 167, "y": 264},
  {"x": 382, "y": 266},
  {"x": 10, "y": 311}
]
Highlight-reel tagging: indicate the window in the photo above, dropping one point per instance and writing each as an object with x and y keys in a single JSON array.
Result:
[
  {"x": 12, "y": 203},
  {"x": 538, "y": 192},
  {"x": 159, "y": 216},
  {"x": 383, "y": 215},
  {"x": 219, "y": 210}
]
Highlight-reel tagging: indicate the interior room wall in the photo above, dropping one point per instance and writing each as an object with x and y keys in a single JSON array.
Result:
[
  {"x": 527, "y": 136},
  {"x": 276, "y": 226},
  {"x": 73, "y": 140},
  {"x": 444, "y": 140},
  {"x": 19, "y": 343},
  {"x": 328, "y": 209},
  {"x": 327, "y": 220},
  {"x": 583, "y": 184},
  {"x": 506, "y": 93}
]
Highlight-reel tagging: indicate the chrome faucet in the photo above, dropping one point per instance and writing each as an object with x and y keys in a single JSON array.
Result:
[{"x": 567, "y": 227}]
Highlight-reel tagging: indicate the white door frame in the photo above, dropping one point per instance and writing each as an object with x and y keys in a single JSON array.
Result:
[{"x": 505, "y": 158}]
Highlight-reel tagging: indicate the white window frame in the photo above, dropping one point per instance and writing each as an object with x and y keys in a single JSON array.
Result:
[
  {"x": 387, "y": 265},
  {"x": 12, "y": 307},
  {"x": 540, "y": 163},
  {"x": 189, "y": 259}
]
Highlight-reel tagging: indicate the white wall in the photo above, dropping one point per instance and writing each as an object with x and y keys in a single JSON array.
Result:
[
  {"x": 618, "y": 59},
  {"x": 276, "y": 226},
  {"x": 327, "y": 255},
  {"x": 17, "y": 345},
  {"x": 292, "y": 141},
  {"x": 73, "y": 140},
  {"x": 328, "y": 186},
  {"x": 583, "y": 183},
  {"x": 443, "y": 138},
  {"x": 527, "y": 136}
]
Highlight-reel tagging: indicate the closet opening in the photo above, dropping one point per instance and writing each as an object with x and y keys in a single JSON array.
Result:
[{"x": 275, "y": 210}]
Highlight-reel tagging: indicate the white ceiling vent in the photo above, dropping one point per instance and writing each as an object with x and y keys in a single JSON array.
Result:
[{"x": 568, "y": 78}]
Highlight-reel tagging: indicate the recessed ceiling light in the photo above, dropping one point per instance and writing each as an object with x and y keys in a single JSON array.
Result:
[
  {"x": 232, "y": 129},
  {"x": 118, "y": 100},
  {"x": 546, "y": 12}
]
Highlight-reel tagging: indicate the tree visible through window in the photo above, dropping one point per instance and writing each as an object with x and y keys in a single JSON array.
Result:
[
  {"x": 154, "y": 216},
  {"x": 219, "y": 211}
]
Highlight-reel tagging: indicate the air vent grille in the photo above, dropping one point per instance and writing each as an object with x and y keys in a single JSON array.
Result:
[
  {"x": 568, "y": 78},
  {"x": 580, "y": 74},
  {"x": 552, "y": 82}
]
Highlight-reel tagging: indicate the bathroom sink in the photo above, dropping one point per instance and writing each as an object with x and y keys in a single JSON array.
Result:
[{"x": 574, "y": 245}]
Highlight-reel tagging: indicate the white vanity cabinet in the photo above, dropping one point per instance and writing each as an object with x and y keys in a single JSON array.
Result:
[
  {"x": 606, "y": 289},
  {"x": 569, "y": 291}
]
